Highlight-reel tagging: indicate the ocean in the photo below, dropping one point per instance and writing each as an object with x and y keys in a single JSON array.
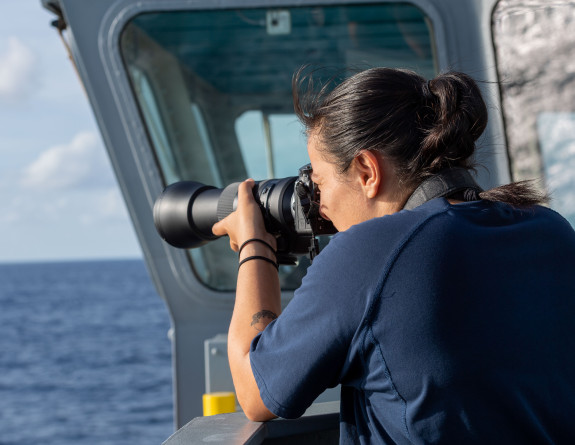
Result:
[{"x": 84, "y": 355}]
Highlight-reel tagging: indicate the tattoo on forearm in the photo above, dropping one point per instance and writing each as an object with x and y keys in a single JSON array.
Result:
[{"x": 262, "y": 319}]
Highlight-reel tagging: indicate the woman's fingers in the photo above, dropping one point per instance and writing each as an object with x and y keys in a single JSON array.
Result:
[
  {"x": 245, "y": 193},
  {"x": 246, "y": 221},
  {"x": 219, "y": 228}
]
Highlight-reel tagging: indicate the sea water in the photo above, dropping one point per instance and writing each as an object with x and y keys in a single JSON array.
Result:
[{"x": 84, "y": 355}]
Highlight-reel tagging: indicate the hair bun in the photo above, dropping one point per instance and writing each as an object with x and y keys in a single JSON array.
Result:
[
  {"x": 426, "y": 90},
  {"x": 458, "y": 118}
]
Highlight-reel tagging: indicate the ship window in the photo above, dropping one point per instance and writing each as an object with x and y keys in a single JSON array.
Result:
[
  {"x": 269, "y": 149},
  {"x": 155, "y": 128},
  {"x": 214, "y": 90},
  {"x": 535, "y": 48}
]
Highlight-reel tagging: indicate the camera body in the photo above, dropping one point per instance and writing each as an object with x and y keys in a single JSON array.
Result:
[{"x": 186, "y": 211}]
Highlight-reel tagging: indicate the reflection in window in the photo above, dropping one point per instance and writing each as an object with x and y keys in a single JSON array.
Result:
[
  {"x": 272, "y": 146},
  {"x": 535, "y": 48},
  {"x": 155, "y": 128},
  {"x": 205, "y": 144},
  {"x": 218, "y": 105},
  {"x": 557, "y": 140}
]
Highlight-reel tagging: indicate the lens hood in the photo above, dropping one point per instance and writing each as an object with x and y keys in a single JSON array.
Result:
[{"x": 173, "y": 216}]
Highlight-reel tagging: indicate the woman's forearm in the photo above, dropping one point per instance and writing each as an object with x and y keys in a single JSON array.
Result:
[
  {"x": 257, "y": 294},
  {"x": 258, "y": 302}
]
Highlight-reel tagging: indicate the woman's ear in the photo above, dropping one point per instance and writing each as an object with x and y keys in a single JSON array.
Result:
[{"x": 369, "y": 171}]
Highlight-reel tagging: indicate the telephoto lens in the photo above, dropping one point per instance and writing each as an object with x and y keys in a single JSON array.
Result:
[{"x": 186, "y": 211}]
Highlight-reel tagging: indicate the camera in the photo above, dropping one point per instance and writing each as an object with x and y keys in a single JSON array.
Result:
[{"x": 186, "y": 211}]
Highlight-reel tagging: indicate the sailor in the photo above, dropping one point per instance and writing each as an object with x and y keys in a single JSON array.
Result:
[{"x": 445, "y": 312}]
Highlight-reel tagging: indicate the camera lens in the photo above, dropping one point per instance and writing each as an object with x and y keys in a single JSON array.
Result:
[
  {"x": 186, "y": 211},
  {"x": 275, "y": 198}
]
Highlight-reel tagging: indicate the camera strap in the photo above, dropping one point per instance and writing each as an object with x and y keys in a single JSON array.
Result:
[{"x": 445, "y": 183}]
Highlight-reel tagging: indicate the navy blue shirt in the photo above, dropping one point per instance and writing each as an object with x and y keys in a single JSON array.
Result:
[{"x": 443, "y": 324}]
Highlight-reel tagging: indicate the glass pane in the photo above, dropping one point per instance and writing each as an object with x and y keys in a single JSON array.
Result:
[
  {"x": 274, "y": 154},
  {"x": 217, "y": 101},
  {"x": 535, "y": 47},
  {"x": 556, "y": 133},
  {"x": 155, "y": 128}
]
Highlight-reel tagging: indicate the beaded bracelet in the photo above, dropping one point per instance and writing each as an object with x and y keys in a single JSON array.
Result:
[
  {"x": 257, "y": 257},
  {"x": 255, "y": 240}
]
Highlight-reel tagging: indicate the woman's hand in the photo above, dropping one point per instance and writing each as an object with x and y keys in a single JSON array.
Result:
[
  {"x": 246, "y": 222},
  {"x": 257, "y": 291}
]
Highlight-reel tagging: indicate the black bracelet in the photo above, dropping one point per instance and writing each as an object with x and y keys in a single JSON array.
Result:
[
  {"x": 257, "y": 257},
  {"x": 256, "y": 240}
]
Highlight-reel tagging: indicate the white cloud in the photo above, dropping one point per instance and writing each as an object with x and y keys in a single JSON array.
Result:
[
  {"x": 80, "y": 164},
  {"x": 97, "y": 208},
  {"x": 17, "y": 70}
]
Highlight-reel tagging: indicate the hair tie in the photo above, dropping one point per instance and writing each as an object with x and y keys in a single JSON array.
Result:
[
  {"x": 251, "y": 240},
  {"x": 258, "y": 257},
  {"x": 471, "y": 195},
  {"x": 427, "y": 93}
]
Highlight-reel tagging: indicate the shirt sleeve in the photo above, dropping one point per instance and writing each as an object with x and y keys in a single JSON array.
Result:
[{"x": 306, "y": 349}]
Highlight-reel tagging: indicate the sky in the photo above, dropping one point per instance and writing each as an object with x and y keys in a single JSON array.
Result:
[{"x": 60, "y": 200}]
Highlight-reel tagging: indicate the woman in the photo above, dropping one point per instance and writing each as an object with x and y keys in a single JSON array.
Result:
[{"x": 451, "y": 322}]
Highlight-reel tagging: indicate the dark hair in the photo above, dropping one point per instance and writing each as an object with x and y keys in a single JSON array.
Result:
[{"x": 421, "y": 127}]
